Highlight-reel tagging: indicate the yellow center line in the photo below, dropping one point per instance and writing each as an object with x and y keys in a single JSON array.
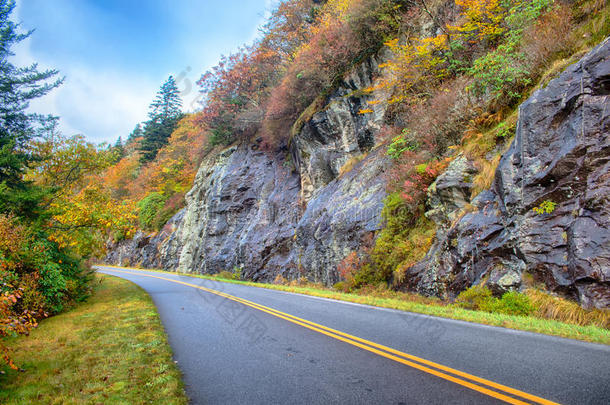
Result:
[{"x": 378, "y": 349}]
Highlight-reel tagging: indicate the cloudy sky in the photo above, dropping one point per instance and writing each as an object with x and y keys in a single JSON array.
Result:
[{"x": 115, "y": 54}]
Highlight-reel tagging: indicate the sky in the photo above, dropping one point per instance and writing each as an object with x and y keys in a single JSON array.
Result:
[{"x": 116, "y": 54}]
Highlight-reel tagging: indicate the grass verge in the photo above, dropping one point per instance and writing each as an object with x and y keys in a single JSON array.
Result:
[
  {"x": 111, "y": 349},
  {"x": 432, "y": 306}
]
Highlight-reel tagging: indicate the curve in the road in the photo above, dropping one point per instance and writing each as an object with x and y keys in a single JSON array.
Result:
[{"x": 464, "y": 379}]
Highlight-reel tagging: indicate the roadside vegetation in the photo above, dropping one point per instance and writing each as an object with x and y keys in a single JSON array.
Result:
[
  {"x": 111, "y": 349},
  {"x": 533, "y": 311}
]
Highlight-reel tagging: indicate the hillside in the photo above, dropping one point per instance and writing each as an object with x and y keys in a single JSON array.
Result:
[{"x": 422, "y": 146}]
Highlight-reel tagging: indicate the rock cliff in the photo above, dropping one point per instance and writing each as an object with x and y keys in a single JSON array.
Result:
[
  {"x": 295, "y": 212},
  {"x": 298, "y": 212},
  {"x": 559, "y": 159}
]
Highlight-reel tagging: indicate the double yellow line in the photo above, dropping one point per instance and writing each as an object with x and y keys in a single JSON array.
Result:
[{"x": 473, "y": 382}]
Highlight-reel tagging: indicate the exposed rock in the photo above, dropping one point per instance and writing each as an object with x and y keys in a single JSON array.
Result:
[
  {"x": 340, "y": 218},
  {"x": 142, "y": 250},
  {"x": 241, "y": 212},
  {"x": 560, "y": 154},
  {"x": 339, "y": 132},
  {"x": 450, "y": 192},
  {"x": 256, "y": 211}
]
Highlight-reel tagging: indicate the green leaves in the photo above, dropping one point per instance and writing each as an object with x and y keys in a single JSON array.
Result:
[
  {"x": 401, "y": 144},
  {"x": 165, "y": 112},
  {"x": 150, "y": 207}
]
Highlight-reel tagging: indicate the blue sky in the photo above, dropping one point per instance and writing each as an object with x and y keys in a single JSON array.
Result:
[{"x": 115, "y": 54}]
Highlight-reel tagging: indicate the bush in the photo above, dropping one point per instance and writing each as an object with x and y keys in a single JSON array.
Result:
[
  {"x": 477, "y": 297},
  {"x": 480, "y": 298},
  {"x": 513, "y": 303},
  {"x": 151, "y": 206},
  {"x": 37, "y": 278},
  {"x": 340, "y": 286}
]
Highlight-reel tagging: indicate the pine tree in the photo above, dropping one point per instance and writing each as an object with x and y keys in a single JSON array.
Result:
[
  {"x": 19, "y": 85},
  {"x": 135, "y": 134},
  {"x": 167, "y": 104},
  {"x": 165, "y": 112}
]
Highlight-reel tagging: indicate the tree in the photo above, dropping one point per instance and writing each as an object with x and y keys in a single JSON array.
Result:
[
  {"x": 19, "y": 85},
  {"x": 137, "y": 132},
  {"x": 167, "y": 104},
  {"x": 165, "y": 111}
]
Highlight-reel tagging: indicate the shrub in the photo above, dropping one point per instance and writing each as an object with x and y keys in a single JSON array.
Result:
[
  {"x": 340, "y": 286},
  {"x": 150, "y": 207},
  {"x": 37, "y": 278},
  {"x": 347, "y": 269},
  {"x": 480, "y": 298},
  {"x": 401, "y": 144},
  {"x": 545, "y": 207},
  {"x": 419, "y": 178},
  {"x": 477, "y": 297},
  {"x": 513, "y": 303},
  {"x": 403, "y": 241}
]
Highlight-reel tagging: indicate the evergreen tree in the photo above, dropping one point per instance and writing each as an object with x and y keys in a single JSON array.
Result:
[
  {"x": 19, "y": 85},
  {"x": 167, "y": 104},
  {"x": 119, "y": 150},
  {"x": 165, "y": 111},
  {"x": 135, "y": 134}
]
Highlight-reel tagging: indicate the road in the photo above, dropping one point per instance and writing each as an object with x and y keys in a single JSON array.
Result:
[{"x": 237, "y": 344}]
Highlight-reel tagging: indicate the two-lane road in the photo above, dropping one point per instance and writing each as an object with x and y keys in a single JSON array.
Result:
[{"x": 239, "y": 344}]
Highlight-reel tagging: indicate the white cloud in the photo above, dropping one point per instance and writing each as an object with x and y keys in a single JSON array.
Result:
[{"x": 101, "y": 105}]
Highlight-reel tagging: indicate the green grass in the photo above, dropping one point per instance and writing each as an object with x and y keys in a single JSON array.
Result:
[
  {"x": 431, "y": 306},
  {"x": 111, "y": 349}
]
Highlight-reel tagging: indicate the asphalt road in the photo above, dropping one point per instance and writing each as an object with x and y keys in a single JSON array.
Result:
[{"x": 245, "y": 345}]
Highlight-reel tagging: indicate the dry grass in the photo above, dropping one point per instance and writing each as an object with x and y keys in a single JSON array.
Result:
[
  {"x": 111, "y": 349},
  {"x": 562, "y": 310},
  {"x": 487, "y": 171}
]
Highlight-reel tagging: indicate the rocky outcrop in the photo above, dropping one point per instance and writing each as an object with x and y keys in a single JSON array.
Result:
[
  {"x": 299, "y": 211},
  {"x": 559, "y": 159},
  {"x": 450, "y": 193},
  {"x": 143, "y": 249},
  {"x": 339, "y": 132},
  {"x": 295, "y": 212}
]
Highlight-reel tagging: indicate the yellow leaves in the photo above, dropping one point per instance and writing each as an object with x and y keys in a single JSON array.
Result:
[
  {"x": 482, "y": 19},
  {"x": 82, "y": 220},
  {"x": 365, "y": 111}
]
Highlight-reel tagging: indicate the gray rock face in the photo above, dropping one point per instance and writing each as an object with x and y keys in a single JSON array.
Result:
[
  {"x": 241, "y": 212},
  {"x": 143, "y": 249},
  {"x": 289, "y": 212},
  {"x": 560, "y": 157},
  {"x": 450, "y": 192},
  {"x": 338, "y": 133}
]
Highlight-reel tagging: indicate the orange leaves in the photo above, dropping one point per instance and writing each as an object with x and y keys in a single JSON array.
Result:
[
  {"x": 13, "y": 321},
  {"x": 15, "y": 318}
]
